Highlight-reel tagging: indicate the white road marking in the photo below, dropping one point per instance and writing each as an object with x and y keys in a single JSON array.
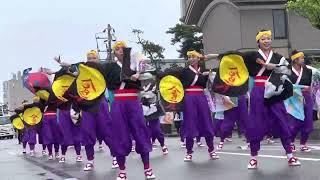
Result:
[
  {"x": 13, "y": 153},
  {"x": 315, "y": 147},
  {"x": 268, "y": 156}
]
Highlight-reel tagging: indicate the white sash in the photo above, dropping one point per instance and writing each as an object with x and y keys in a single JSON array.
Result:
[
  {"x": 196, "y": 76},
  {"x": 123, "y": 84},
  {"x": 266, "y": 59},
  {"x": 297, "y": 73}
]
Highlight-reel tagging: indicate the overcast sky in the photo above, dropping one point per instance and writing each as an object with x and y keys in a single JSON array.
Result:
[{"x": 34, "y": 31}]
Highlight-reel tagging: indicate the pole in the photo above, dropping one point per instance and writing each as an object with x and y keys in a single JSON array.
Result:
[{"x": 109, "y": 43}]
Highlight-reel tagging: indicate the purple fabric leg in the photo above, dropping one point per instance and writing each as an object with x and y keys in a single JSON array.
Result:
[
  {"x": 71, "y": 133},
  {"x": 286, "y": 144},
  {"x": 155, "y": 131},
  {"x": 49, "y": 146},
  {"x": 254, "y": 147},
  {"x": 217, "y": 127},
  {"x": 189, "y": 145},
  {"x": 50, "y": 130},
  {"x": 228, "y": 123},
  {"x": 145, "y": 159},
  {"x": 128, "y": 119},
  {"x": 100, "y": 141},
  {"x": 308, "y": 110},
  {"x": 306, "y": 126},
  {"x": 161, "y": 141},
  {"x": 304, "y": 138},
  {"x": 181, "y": 139},
  {"x": 44, "y": 147},
  {"x": 197, "y": 118},
  {"x": 77, "y": 148},
  {"x": 122, "y": 162},
  {"x": 198, "y": 139},
  {"x": 90, "y": 152},
  {"x": 31, "y": 146},
  {"x": 56, "y": 148},
  {"x": 24, "y": 145},
  {"x": 64, "y": 149},
  {"x": 264, "y": 119},
  {"x": 153, "y": 139},
  {"x": 238, "y": 114},
  {"x": 209, "y": 141},
  {"x": 243, "y": 110},
  {"x": 29, "y": 135},
  {"x": 95, "y": 125},
  {"x": 257, "y": 125}
]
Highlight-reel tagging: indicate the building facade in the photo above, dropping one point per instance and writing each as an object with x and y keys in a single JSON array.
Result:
[
  {"x": 233, "y": 24},
  {"x": 14, "y": 92}
]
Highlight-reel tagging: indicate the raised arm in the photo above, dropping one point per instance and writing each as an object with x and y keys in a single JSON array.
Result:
[
  {"x": 210, "y": 56},
  {"x": 63, "y": 64}
]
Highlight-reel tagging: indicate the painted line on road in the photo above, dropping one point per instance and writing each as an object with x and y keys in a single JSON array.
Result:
[
  {"x": 278, "y": 149},
  {"x": 268, "y": 156},
  {"x": 316, "y": 145},
  {"x": 12, "y": 153}
]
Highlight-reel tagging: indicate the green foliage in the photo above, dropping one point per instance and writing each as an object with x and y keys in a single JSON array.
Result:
[
  {"x": 189, "y": 36},
  {"x": 309, "y": 9},
  {"x": 150, "y": 49}
]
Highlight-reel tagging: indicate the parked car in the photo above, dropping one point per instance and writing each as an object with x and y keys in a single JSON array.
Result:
[{"x": 6, "y": 128}]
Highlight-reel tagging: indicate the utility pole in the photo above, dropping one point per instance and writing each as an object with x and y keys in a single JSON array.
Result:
[
  {"x": 109, "y": 49},
  {"x": 107, "y": 36}
]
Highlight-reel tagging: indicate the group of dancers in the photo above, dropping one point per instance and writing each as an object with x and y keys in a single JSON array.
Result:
[{"x": 82, "y": 113}]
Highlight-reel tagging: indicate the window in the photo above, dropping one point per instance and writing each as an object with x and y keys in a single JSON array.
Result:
[
  {"x": 4, "y": 120},
  {"x": 279, "y": 24}
]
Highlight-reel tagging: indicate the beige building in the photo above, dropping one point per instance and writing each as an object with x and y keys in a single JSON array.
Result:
[
  {"x": 14, "y": 92},
  {"x": 233, "y": 24}
]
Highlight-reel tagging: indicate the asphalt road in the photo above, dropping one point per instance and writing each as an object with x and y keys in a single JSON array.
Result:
[{"x": 232, "y": 164}]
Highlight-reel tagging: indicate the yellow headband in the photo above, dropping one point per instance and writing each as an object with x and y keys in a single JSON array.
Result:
[
  {"x": 92, "y": 52},
  {"x": 194, "y": 53},
  {"x": 297, "y": 55},
  {"x": 260, "y": 34},
  {"x": 119, "y": 44}
]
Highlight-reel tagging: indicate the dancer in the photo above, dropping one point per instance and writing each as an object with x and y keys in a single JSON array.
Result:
[
  {"x": 302, "y": 76},
  {"x": 197, "y": 120},
  {"x": 156, "y": 133},
  {"x": 93, "y": 106},
  {"x": 264, "y": 117},
  {"x": 127, "y": 114},
  {"x": 238, "y": 113},
  {"x": 51, "y": 135},
  {"x": 29, "y": 133}
]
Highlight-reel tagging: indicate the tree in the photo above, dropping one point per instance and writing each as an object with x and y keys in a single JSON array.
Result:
[
  {"x": 150, "y": 49},
  {"x": 189, "y": 36},
  {"x": 309, "y": 9}
]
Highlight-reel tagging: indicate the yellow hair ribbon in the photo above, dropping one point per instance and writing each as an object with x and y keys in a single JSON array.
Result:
[
  {"x": 263, "y": 33},
  {"x": 119, "y": 44},
  {"x": 194, "y": 53},
  {"x": 297, "y": 55}
]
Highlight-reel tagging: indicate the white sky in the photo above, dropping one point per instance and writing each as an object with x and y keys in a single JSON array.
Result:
[{"x": 34, "y": 31}]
